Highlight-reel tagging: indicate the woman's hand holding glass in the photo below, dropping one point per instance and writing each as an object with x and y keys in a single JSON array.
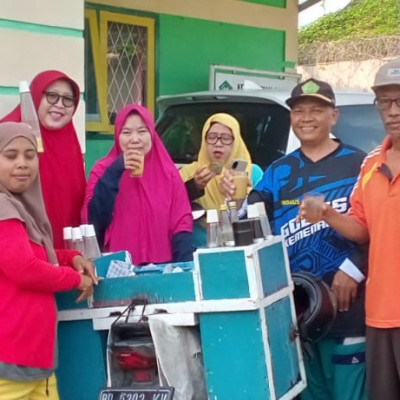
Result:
[
  {"x": 133, "y": 158},
  {"x": 202, "y": 176},
  {"x": 228, "y": 187}
]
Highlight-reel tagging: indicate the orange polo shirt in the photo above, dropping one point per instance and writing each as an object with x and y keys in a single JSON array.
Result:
[{"x": 375, "y": 203}]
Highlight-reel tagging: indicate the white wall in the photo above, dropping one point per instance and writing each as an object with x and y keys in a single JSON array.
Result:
[
  {"x": 36, "y": 35},
  {"x": 346, "y": 74}
]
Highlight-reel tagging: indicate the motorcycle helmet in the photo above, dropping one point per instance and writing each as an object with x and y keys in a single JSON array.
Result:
[{"x": 315, "y": 305}]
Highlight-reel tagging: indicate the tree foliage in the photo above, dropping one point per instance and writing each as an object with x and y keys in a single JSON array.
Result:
[{"x": 362, "y": 18}]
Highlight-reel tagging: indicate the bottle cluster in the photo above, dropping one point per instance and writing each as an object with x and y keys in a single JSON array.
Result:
[
  {"x": 225, "y": 228},
  {"x": 83, "y": 239}
]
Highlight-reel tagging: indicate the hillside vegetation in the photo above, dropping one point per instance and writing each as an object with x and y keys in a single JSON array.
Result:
[{"x": 363, "y": 18}]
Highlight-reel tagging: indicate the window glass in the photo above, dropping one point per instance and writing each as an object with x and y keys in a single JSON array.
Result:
[
  {"x": 119, "y": 65},
  {"x": 92, "y": 109},
  {"x": 126, "y": 64},
  {"x": 360, "y": 126},
  {"x": 264, "y": 127}
]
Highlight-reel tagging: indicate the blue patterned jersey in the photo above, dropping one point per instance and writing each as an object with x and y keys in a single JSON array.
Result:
[{"x": 315, "y": 248}]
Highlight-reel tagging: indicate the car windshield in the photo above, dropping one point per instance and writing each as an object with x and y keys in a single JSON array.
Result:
[
  {"x": 264, "y": 127},
  {"x": 360, "y": 126}
]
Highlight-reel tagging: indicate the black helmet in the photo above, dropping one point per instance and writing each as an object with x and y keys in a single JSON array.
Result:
[{"x": 315, "y": 306}]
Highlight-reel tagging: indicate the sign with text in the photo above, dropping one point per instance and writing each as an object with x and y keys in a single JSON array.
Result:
[
  {"x": 235, "y": 78},
  {"x": 164, "y": 393}
]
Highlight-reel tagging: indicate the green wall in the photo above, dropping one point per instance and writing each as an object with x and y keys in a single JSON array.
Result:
[{"x": 187, "y": 47}]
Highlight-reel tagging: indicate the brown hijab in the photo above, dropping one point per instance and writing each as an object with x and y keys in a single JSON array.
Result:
[{"x": 28, "y": 206}]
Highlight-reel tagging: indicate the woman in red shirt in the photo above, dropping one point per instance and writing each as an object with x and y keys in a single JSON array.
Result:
[{"x": 30, "y": 272}]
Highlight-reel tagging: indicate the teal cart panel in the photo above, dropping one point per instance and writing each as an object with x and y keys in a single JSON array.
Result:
[
  {"x": 82, "y": 362},
  {"x": 284, "y": 355},
  {"x": 155, "y": 288},
  {"x": 234, "y": 357},
  {"x": 223, "y": 275},
  {"x": 67, "y": 300},
  {"x": 273, "y": 270}
]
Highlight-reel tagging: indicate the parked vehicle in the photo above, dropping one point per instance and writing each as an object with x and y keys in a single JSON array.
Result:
[{"x": 264, "y": 120}]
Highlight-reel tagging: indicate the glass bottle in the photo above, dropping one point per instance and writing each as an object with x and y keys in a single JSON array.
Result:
[
  {"x": 92, "y": 249},
  {"x": 252, "y": 215},
  {"x": 67, "y": 236},
  {"x": 233, "y": 212},
  {"x": 77, "y": 240},
  {"x": 212, "y": 228},
  {"x": 225, "y": 227},
  {"x": 265, "y": 226}
]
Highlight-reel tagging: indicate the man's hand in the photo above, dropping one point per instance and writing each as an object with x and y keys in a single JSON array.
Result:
[
  {"x": 312, "y": 209},
  {"x": 345, "y": 289},
  {"x": 202, "y": 176}
]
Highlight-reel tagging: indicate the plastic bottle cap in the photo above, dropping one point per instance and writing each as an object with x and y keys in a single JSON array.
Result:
[
  {"x": 223, "y": 207},
  {"x": 252, "y": 211},
  {"x": 67, "y": 232},
  {"x": 232, "y": 204},
  {"x": 76, "y": 233},
  {"x": 212, "y": 216},
  {"x": 24, "y": 87},
  {"x": 89, "y": 231},
  {"x": 82, "y": 227},
  {"x": 261, "y": 208}
]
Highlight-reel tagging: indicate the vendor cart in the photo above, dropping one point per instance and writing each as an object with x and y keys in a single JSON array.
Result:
[{"x": 239, "y": 298}]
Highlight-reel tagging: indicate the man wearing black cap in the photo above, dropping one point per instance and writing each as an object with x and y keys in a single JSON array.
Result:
[
  {"x": 374, "y": 215},
  {"x": 324, "y": 165}
]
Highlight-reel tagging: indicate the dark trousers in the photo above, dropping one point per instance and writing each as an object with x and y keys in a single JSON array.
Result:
[{"x": 383, "y": 363}]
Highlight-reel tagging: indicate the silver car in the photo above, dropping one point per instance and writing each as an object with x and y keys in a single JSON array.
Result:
[{"x": 264, "y": 120}]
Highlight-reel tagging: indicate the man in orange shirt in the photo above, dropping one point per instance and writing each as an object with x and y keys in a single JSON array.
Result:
[{"x": 375, "y": 216}]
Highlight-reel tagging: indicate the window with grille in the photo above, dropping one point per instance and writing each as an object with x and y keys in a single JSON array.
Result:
[{"x": 119, "y": 65}]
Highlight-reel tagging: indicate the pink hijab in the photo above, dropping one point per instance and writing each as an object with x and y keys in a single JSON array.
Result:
[
  {"x": 147, "y": 210},
  {"x": 61, "y": 164}
]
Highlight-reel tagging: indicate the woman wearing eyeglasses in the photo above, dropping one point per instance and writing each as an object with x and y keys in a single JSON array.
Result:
[
  {"x": 221, "y": 143},
  {"x": 149, "y": 213},
  {"x": 56, "y": 98}
]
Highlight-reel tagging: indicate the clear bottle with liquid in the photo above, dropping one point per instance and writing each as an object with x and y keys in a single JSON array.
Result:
[
  {"x": 77, "y": 240},
  {"x": 225, "y": 227},
  {"x": 252, "y": 215},
  {"x": 233, "y": 212},
  {"x": 262, "y": 215},
  {"x": 92, "y": 249},
  {"x": 212, "y": 228},
  {"x": 67, "y": 236},
  {"x": 28, "y": 113}
]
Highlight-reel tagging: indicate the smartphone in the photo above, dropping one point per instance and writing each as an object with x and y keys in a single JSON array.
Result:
[{"x": 238, "y": 164}]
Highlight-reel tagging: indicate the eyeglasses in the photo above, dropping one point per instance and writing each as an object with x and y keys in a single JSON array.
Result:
[
  {"x": 385, "y": 103},
  {"x": 53, "y": 97},
  {"x": 213, "y": 137}
]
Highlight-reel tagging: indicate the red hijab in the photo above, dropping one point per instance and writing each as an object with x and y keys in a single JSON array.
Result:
[
  {"x": 147, "y": 210},
  {"x": 61, "y": 164}
]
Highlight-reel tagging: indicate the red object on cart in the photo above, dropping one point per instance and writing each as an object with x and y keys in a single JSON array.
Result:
[{"x": 144, "y": 366}]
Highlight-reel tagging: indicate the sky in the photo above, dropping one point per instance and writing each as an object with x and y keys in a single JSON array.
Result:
[{"x": 319, "y": 9}]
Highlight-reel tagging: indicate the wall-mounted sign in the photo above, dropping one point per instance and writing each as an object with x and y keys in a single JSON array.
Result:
[{"x": 224, "y": 77}]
